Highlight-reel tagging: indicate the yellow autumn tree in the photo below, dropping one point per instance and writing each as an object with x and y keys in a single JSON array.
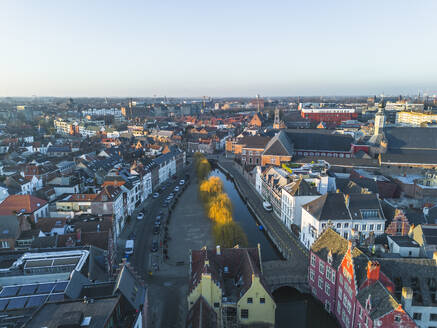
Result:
[
  {"x": 210, "y": 188},
  {"x": 220, "y": 209},
  {"x": 230, "y": 234},
  {"x": 203, "y": 168}
]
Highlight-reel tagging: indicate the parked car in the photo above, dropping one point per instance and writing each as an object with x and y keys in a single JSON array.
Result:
[
  {"x": 155, "y": 195},
  {"x": 154, "y": 247},
  {"x": 140, "y": 216},
  {"x": 129, "y": 247},
  {"x": 181, "y": 182},
  {"x": 267, "y": 206},
  {"x": 176, "y": 189}
]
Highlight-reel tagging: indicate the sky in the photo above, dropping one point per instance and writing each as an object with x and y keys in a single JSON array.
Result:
[{"x": 217, "y": 48}]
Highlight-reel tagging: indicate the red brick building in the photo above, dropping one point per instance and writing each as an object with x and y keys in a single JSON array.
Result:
[
  {"x": 352, "y": 287},
  {"x": 329, "y": 115}
]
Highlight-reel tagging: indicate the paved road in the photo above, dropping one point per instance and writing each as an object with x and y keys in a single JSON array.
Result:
[
  {"x": 189, "y": 228},
  {"x": 297, "y": 253},
  {"x": 142, "y": 230}
]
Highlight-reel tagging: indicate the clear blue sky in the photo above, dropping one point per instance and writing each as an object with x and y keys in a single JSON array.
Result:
[{"x": 217, "y": 47}]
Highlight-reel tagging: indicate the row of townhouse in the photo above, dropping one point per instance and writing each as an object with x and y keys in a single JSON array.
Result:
[
  {"x": 288, "y": 191},
  {"x": 372, "y": 292},
  {"x": 309, "y": 201},
  {"x": 169, "y": 164}
]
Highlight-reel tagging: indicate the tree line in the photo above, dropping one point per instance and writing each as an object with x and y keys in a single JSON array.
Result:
[{"x": 218, "y": 207}]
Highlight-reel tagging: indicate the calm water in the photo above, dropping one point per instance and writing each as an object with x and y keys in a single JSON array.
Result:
[
  {"x": 294, "y": 310},
  {"x": 242, "y": 215}
]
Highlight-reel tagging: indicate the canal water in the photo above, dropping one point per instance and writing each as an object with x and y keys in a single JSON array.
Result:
[
  {"x": 294, "y": 310},
  {"x": 242, "y": 215}
]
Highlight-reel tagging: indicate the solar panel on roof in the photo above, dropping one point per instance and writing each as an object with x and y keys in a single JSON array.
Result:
[
  {"x": 56, "y": 297},
  {"x": 45, "y": 288},
  {"x": 3, "y": 304},
  {"x": 35, "y": 301},
  {"x": 27, "y": 290},
  {"x": 60, "y": 286},
  {"x": 9, "y": 291},
  {"x": 16, "y": 303}
]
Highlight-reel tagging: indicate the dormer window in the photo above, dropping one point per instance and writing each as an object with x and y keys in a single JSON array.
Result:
[
  {"x": 368, "y": 304},
  {"x": 330, "y": 258}
]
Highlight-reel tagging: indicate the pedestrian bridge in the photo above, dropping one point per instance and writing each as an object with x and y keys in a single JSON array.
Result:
[{"x": 284, "y": 274}]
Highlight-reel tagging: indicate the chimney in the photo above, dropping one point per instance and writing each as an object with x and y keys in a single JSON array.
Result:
[
  {"x": 217, "y": 250},
  {"x": 78, "y": 235},
  {"x": 407, "y": 298},
  {"x": 372, "y": 272},
  {"x": 346, "y": 200}
]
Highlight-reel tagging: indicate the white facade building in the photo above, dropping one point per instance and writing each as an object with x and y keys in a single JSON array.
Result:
[{"x": 361, "y": 213}]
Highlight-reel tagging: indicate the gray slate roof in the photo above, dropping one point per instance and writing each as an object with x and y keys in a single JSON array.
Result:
[
  {"x": 319, "y": 139},
  {"x": 328, "y": 207},
  {"x": 382, "y": 302},
  {"x": 279, "y": 145}
]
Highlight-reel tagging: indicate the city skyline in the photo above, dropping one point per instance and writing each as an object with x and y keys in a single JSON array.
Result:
[{"x": 224, "y": 49}]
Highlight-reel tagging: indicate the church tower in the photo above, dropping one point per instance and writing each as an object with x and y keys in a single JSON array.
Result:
[
  {"x": 379, "y": 121},
  {"x": 277, "y": 121}
]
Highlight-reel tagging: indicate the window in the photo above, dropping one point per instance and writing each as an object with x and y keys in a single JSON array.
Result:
[
  {"x": 5, "y": 244},
  {"x": 346, "y": 225},
  {"x": 338, "y": 306},
  {"x": 321, "y": 267},
  {"x": 398, "y": 318},
  {"x": 338, "y": 225},
  {"x": 361, "y": 312},
  {"x": 378, "y": 227},
  {"x": 313, "y": 260},
  {"x": 312, "y": 274},
  {"x": 356, "y": 227},
  {"x": 371, "y": 227},
  {"x": 320, "y": 282},
  {"x": 327, "y": 306},
  {"x": 417, "y": 316},
  {"x": 433, "y": 317},
  {"x": 262, "y": 300},
  {"x": 244, "y": 313},
  {"x": 249, "y": 300},
  {"x": 346, "y": 235},
  {"x": 340, "y": 293},
  {"x": 323, "y": 225},
  {"x": 363, "y": 227},
  {"x": 341, "y": 280},
  {"x": 327, "y": 289},
  {"x": 216, "y": 305},
  {"x": 273, "y": 160}
]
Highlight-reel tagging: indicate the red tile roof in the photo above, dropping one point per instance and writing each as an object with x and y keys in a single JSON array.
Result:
[{"x": 21, "y": 203}]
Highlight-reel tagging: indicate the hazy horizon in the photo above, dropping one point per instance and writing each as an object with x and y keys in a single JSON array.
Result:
[{"x": 219, "y": 49}]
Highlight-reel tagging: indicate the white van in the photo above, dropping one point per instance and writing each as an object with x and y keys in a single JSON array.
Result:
[{"x": 129, "y": 247}]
